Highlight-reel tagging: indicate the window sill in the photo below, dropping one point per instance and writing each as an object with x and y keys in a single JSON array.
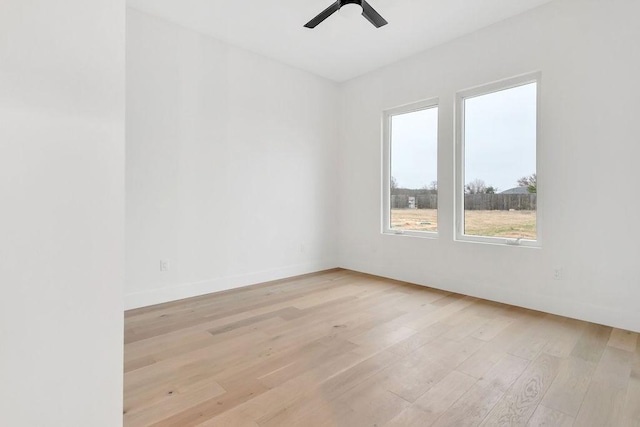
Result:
[
  {"x": 419, "y": 234},
  {"x": 499, "y": 241}
]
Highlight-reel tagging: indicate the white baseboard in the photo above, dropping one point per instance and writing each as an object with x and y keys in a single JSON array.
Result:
[
  {"x": 188, "y": 290},
  {"x": 628, "y": 320}
]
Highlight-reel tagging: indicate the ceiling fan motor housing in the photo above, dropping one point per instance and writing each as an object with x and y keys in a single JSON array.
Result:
[
  {"x": 343, "y": 2},
  {"x": 367, "y": 11}
]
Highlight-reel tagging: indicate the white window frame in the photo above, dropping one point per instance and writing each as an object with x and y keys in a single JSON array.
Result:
[
  {"x": 461, "y": 96},
  {"x": 386, "y": 164}
]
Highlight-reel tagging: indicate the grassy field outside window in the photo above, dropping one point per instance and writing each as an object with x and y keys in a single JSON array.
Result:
[{"x": 495, "y": 223}]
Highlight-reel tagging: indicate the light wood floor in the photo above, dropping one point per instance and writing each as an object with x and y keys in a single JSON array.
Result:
[{"x": 345, "y": 349}]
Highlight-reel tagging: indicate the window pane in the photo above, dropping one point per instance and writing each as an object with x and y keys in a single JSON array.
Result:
[
  {"x": 500, "y": 164},
  {"x": 414, "y": 174}
]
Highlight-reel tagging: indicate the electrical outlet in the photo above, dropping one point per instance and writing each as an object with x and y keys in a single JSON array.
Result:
[
  {"x": 557, "y": 274},
  {"x": 164, "y": 265}
]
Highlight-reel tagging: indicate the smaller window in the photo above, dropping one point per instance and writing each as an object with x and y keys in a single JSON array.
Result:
[
  {"x": 410, "y": 186},
  {"x": 496, "y": 187}
]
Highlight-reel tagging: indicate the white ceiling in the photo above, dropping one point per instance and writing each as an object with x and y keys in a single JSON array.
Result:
[{"x": 342, "y": 47}]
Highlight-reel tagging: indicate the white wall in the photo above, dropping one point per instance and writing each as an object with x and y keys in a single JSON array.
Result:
[
  {"x": 61, "y": 212},
  {"x": 230, "y": 165},
  {"x": 588, "y": 53}
]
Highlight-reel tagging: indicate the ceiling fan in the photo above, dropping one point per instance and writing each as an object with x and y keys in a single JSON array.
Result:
[{"x": 367, "y": 11}]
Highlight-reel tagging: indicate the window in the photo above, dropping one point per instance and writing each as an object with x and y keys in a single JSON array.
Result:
[
  {"x": 410, "y": 201},
  {"x": 496, "y": 170}
]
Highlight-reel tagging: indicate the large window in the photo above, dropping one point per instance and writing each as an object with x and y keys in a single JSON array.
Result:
[
  {"x": 496, "y": 152},
  {"x": 411, "y": 169}
]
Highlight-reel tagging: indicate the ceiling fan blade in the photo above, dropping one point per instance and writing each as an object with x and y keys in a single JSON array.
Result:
[
  {"x": 323, "y": 15},
  {"x": 372, "y": 16}
]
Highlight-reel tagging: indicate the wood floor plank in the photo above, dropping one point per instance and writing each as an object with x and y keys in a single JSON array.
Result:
[
  {"x": 448, "y": 352},
  {"x": 299, "y": 367},
  {"x": 468, "y": 326},
  {"x": 570, "y": 386},
  {"x": 173, "y": 389},
  {"x": 341, "y": 348},
  {"x": 504, "y": 373},
  {"x": 230, "y": 419},
  {"x": 374, "y": 403},
  {"x": 323, "y": 405},
  {"x": 492, "y": 328},
  {"x": 548, "y": 417},
  {"x": 193, "y": 415},
  {"x": 356, "y": 374},
  {"x": 471, "y": 408},
  {"x": 624, "y": 340},
  {"x": 592, "y": 343},
  {"x": 605, "y": 399},
  {"x": 631, "y": 411},
  {"x": 282, "y": 398},
  {"x": 198, "y": 360},
  {"x": 381, "y": 337},
  {"x": 482, "y": 361},
  {"x": 169, "y": 401},
  {"x": 412, "y": 416},
  {"x": 533, "y": 339},
  {"x": 563, "y": 336},
  {"x": 410, "y": 377},
  {"x": 414, "y": 342},
  {"x": 522, "y": 399},
  {"x": 441, "y": 396}
]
